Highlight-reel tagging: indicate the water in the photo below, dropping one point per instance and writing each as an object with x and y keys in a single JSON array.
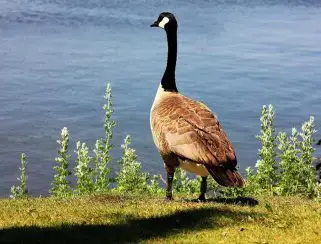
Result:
[{"x": 56, "y": 57}]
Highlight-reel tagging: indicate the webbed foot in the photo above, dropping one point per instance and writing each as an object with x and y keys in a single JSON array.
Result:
[
  {"x": 201, "y": 198},
  {"x": 169, "y": 198}
]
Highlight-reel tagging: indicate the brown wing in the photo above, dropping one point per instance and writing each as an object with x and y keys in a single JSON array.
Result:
[{"x": 191, "y": 131}]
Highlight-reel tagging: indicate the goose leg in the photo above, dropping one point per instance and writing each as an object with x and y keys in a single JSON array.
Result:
[
  {"x": 169, "y": 194},
  {"x": 170, "y": 163},
  {"x": 203, "y": 189}
]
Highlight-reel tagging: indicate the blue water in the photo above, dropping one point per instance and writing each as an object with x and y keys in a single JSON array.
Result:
[{"x": 56, "y": 57}]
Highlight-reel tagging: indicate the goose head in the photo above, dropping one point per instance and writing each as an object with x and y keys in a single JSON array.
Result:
[{"x": 166, "y": 21}]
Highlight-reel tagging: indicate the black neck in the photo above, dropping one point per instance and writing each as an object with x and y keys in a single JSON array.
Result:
[{"x": 168, "y": 80}]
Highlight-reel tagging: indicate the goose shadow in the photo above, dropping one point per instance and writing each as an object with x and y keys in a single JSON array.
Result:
[
  {"x": 242, "y": 201},
  {"x": 130, "y": 230}
]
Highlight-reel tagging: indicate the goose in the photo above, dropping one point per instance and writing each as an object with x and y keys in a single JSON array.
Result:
[{"x": 186, "y": 132}]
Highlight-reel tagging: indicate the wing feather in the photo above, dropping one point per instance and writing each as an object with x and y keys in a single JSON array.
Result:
[{"x": 191, "y": 131}]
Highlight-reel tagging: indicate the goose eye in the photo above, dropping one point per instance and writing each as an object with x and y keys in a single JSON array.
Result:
[{"x": 164, "y": 21}]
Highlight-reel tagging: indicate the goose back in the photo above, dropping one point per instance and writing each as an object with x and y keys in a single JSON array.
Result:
[{"x": 188, "y": 129}]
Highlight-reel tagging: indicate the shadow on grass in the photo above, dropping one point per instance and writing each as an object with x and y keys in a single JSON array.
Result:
[
  {"x": 132, "y": 229},
  {"x": 242, "y": 201}
]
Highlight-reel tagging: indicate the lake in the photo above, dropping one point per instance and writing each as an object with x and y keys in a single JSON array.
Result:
[{"x": 57, "y": 57}]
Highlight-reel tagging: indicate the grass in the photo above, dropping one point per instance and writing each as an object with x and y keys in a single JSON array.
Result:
[{"x": 115, "y": 218}]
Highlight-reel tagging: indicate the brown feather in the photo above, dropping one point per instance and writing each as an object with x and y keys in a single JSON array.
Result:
[
  {"x": 189, "y": 130},
  {"x": 226, "y": 177}
]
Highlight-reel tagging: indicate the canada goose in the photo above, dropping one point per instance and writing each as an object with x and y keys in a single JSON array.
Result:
[{"x": 185, "y": 131}]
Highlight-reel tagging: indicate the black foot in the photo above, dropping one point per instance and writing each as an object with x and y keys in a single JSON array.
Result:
[
  {"x": 169, "y": 198},
  {"x": 202, "y": 198}
]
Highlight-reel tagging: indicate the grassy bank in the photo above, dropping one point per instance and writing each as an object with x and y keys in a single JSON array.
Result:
[{"x": 115, "y": 218}]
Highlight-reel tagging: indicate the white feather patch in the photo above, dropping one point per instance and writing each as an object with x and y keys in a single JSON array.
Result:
[
  {"x": 164, "y": 21},
  {"x": 197, "y": 169}
]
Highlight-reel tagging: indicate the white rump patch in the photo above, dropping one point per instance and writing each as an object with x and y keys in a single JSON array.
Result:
[
  {"x": 164, "y": 21},
  {"x": 197, "y": 169}
]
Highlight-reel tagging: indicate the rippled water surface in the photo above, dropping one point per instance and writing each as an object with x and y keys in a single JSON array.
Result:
[{"x": 56, "y": 57}]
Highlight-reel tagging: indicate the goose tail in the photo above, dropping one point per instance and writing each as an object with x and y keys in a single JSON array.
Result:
[{"x": 226, "y": 177}]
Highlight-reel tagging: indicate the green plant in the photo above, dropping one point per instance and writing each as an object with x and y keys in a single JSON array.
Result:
[
  {"x": 183, "y": 184},
  {"x": 267, "y": 174},
  {"x": 103, "y": 146},
  {"x": 298, "y": 175},
  {"x": 60, "y": 184},
  {"x": 83, "y": 170},
  {"x": 130, "y": 178},
  {"x": 154, "y": 188},
  {"x": 21, "y": 190},
  {"x": 284, "y": 166},
  {"x": 252, "y": 186},
  {"x": 307, "y": 155},
  {"x": 306, "y": 141},
  {"x": 290, "y": 163},
  {"x": 293, "y": 173}
]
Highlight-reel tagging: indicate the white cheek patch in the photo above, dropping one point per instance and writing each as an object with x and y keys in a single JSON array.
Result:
[{"x": 164, "y": 21}]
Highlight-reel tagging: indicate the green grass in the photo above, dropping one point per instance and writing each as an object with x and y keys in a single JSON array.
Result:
[{"x": 130, "y": 219}]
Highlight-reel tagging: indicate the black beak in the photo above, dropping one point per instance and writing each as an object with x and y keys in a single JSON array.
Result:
[{"x": 155, "y": 24}]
